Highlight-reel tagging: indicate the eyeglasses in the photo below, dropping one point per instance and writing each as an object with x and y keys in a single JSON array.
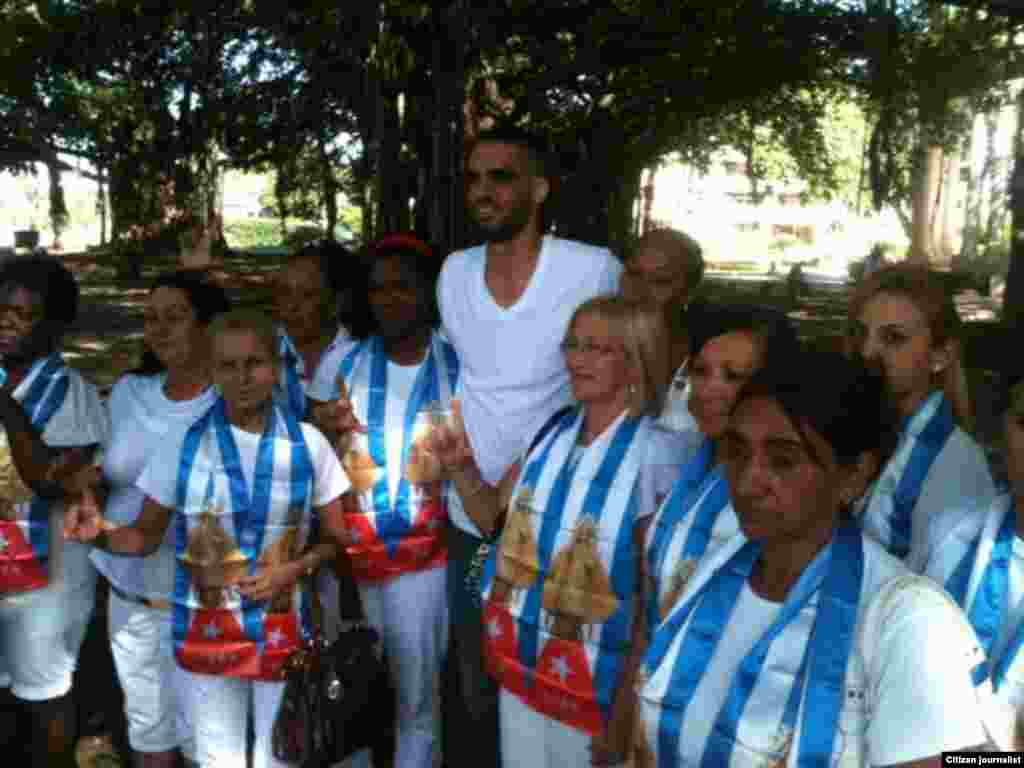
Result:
[{"x": 586, "y": 347}]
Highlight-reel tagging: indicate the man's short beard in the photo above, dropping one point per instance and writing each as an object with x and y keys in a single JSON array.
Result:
[{"x": 509, "y": 229}]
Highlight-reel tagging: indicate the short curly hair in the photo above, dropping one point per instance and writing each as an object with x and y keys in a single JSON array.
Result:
[{"x": 50, "y": 280}]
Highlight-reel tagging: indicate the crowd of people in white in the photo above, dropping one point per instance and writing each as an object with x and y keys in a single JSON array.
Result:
[{"x": 607, "y": 521}]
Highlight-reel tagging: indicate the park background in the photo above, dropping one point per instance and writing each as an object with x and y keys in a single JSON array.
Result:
[{"x": 777, "y": 132}]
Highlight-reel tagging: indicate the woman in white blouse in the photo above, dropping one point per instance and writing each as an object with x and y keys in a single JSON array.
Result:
[
  {"x": 802, "y": 641},
  {"x": 980, "y": 562},
  {"x": 241, "y": 487},
  {"x": 905, "y": 326},
  {"x": 169, "y": 391}
]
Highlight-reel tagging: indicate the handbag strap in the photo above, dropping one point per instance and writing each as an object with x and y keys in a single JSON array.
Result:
[{"x": 350, "y": 604}]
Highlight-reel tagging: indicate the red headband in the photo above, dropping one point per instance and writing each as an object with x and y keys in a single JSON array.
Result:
[{"x": 401, "y": 240}]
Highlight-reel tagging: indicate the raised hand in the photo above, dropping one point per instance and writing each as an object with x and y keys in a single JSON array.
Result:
[
  {"x": 450, "y": 443},
  {"x": 337, "y": 418}
]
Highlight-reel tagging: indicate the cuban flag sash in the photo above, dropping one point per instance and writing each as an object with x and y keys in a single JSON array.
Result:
[
  {"x": 691, "y": 518},
  {"x": 25, "y": 526},
  {"x": 784, "y": 695},
  {"x": 980, "y": 584},
  {"x": 400, "y": 533},
  {"x": 226, "y": 529},
  {"x": 293, "y": 368},
  {"x": 573, "y": 621},
  {"x": 888, "y": 513}
]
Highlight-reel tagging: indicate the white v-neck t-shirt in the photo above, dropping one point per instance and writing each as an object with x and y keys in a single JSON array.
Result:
[{"x": 513, "y": 375}]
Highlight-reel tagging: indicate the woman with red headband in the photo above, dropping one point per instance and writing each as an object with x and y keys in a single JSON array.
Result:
[{"x": 380, "y": 395}]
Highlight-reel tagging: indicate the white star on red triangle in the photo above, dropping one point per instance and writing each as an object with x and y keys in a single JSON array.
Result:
[
  {"x": 276, "y": 638},
  {"x": 560, "y": 667},
  {"x": 211, "y": 631},
  {"x": 494, "y": 629}
]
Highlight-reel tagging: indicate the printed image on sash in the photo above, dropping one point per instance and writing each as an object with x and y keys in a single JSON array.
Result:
[
  {"x": 681, "y": 574},
  {"x": 393, "y": 534},
  {"x": 20, "y": 569},
  {"x": 517, "y": 569},
  {"x": 216, "y": 642},
  {"x": 362, "y": 471},
  {"x": 282, "y": 620},
  {"x": 422, "y": 467},
  {"x": 577, "y": 592}
]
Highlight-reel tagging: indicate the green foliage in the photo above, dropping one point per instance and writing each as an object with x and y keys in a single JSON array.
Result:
[
  {"x": 303, "y": 235},
  {"x": 252, "y": 233}
]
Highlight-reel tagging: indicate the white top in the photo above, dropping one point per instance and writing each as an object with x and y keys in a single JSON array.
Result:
[
  {"x": 959, "y": 475},
  {"x": 667, "y": 451},
  {"x": 142, "y": 417},
  {"x": 948, "y": 550},
  {"x": 513, "y": 376},
  {"x": 908, "y": 690},
  {"x": 737, "y": 641},
  {"x": 79, "y": 422},
  {"x": 400, "y": 378},
  {"x": 159, "y": 479},
  {"x": 675, "y": 415}
]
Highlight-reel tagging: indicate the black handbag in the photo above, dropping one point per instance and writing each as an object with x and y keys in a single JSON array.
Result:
[{"x": 338, "y": 697}]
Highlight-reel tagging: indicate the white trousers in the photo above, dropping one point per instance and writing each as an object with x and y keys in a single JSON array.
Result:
[
  {"x": 143, "y": 649},
  {"x": 41, "y": 631},
  {"x": 218, "y": 709},
  {"x": 528, "y": 738},
  {"x": 411, "y": 614}
]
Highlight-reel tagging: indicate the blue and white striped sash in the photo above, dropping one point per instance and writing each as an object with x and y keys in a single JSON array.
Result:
[
  {"x": 888, "y": 514},
  {"x": 210, "y": 474},
  {"x": 820, "y": 611},
  {"x": 691, "y": 510},
  {"x": 293, "y": 367},
  {"x": 980, "y": 585},
  {"x": 601, "y": 486},
  {"x": 364, "y": 370},
  {"x": 45, "y": 389}
]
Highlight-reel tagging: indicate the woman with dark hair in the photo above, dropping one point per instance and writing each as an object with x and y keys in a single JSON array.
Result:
[
  {"x": 380, "y": 394},
  {"x": 308, "y": 316},
  {"x": 981, "y": 564},
  {"x": 904, "y": 325},
  {"x": 52, "y": 423},
  {"x": 801, "y": 641},
  {"x": 241, "y": 486},
  {"x": 169, "y": 391},
  {"x": 728, "y": 343}
]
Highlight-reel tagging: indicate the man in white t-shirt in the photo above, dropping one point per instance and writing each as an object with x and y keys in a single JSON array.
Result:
[{"x": 505, "y": 306}]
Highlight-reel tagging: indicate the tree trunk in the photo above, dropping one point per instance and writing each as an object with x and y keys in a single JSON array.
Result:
[
  {"x": 985, "y": 180},
  {"x": 1013, "y": 299},
  {"x": 972, "y": 211},
  {"x": 927, "y": 178},
  {"x": 392, "y": 202},
  {"x": 101, "y": 205},
  {"x": 946, "y": 245},
  {"x": 621, "y": 204},
  {"x": 329, "y": 187},
  {"x": 282, "y": 185}
]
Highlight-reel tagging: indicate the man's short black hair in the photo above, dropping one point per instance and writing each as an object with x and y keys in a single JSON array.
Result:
[
  {"x": 538, "y": 151},
  {"x": 50, "y": 280}
]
